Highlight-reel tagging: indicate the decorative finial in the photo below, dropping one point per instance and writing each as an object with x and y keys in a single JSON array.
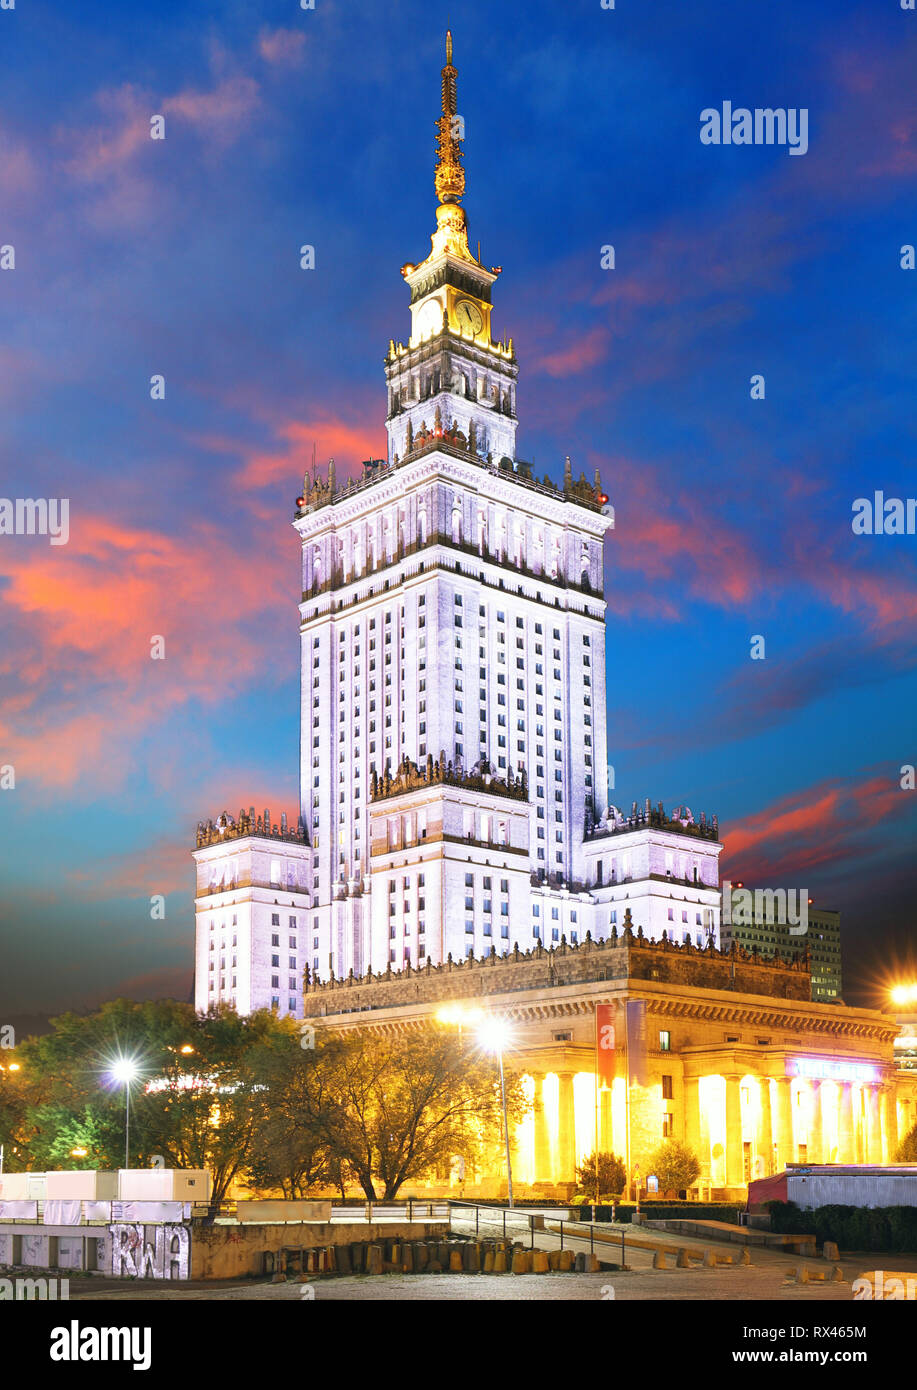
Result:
[{"x": 450, "y": 176}]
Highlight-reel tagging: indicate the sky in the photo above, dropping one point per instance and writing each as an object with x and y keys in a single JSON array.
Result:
[{"x": 180, "y": 257}]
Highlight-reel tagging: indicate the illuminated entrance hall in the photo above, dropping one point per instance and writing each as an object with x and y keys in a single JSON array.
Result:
[{"x": 737, "y": 1061}]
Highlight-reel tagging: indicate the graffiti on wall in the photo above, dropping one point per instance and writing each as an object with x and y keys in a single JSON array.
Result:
[{"x": 150, "y": 1252}]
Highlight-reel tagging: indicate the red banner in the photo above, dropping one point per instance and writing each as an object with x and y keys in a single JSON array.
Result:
[{"x": 605, "y": 1043}]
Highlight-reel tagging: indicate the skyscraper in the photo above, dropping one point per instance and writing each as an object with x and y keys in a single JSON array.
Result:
[{"x": 454, "y": 791}]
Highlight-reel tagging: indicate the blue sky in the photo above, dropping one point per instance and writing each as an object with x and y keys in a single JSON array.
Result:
[{"x": 180, "y": 257}]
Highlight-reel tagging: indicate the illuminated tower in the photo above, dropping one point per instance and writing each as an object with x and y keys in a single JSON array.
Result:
[{"x": 453, "y": 746}]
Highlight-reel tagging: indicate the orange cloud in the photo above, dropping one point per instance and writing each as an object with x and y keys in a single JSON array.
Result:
[{"x": 90, "y": 610}]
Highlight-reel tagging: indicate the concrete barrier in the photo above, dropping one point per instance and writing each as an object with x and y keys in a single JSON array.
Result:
[
  {"x": 659, "y": 1260},
  {"x": 829, "y": 1251},
  {"x": 540, "y": 1263}
]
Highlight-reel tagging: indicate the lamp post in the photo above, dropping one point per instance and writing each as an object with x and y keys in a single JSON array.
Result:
[
  {"x": 493, "y": 1037},
  {"x": 124, "y": 1070}
]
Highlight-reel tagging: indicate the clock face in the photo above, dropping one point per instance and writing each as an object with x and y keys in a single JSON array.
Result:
[
  {"x": 469, "y": 317},
  {"x": 430, "y": 318}
]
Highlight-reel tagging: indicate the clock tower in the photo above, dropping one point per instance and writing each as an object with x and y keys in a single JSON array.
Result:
[{"x": 452, "y": 373}]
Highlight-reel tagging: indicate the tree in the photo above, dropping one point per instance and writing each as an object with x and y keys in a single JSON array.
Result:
[
  {"x": 389, "y": 1109},
  {"x": 907, "y": 1149},
  {"x": 289, "y": 1149},
  {"x": 196, "y": 1101},
  {"x": 612, "y": 1175},
  {"x": 675, "y": 1165}
]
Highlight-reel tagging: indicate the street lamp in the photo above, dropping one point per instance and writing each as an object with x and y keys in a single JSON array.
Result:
[
  {"x": 124, "y": 1070},
  {"x": 493, "y": 1036}
]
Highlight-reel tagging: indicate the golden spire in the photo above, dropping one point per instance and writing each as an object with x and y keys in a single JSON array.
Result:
[{"x": 450, "y": 176}]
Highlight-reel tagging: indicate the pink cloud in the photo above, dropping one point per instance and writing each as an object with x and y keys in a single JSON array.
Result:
[
  {"x": 284, "y": 47},
  {"x": 827, "y": 824}
]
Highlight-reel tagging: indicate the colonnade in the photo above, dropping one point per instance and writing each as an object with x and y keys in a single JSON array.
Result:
[{"x": 741, "y": 1126}]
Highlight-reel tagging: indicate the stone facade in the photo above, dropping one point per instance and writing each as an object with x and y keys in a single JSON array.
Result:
[
  {"x": 738, "y": 1061},
  {"x": 251, "y": 915}
]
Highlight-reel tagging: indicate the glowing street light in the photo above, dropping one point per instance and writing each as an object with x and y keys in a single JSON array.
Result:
[
  {"x": 494, "y": 1035},
  {"x": 458, "y": 1016},
  {"x": 124, "y": 1070},
  {"x": 904, "y": 994}
]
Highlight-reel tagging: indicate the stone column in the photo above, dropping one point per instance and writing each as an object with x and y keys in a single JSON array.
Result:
[
  {"x": 765, "y": 1144},
  {"x": 873, "y": 1133},
  {"x": 692, "y": 1116},
  {"x": 815, "y": 1141},
  {"x": 566, "y": 1132},
  {"x": 786, "y": 1147},
  {"x": 543, "y": 1171},
  {"x": 846, "y": 1133},
  {"x": 889, "y": 1114},
  {"x": 735, "y": 1167}
]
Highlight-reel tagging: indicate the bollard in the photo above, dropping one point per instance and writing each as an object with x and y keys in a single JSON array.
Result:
[
  {"x": 344, "y": 1263},
  {"x": 489, "y": 1260},
  {"x": 709, "y": 1259},
  {"x": 590, "y": 1263},
  {"x": 455, "y": 1261},
  {"x": 837, "y": 1275},
  {"x": 566, "y": 1261},
  {"x": 681, "y": 1259},
  {"x": 407, "y": 1259},
  {"x": 500, "y": 1262},
  {"x": 540, "y": 1262},
  {"x": 802, "y": 1275},
  {"x": 746, "y": 1258},
  {"x": 374, "y": 1259},
  {"x": 471, "y": 1261},
  {"x": 421, "y": 1256},
  {"x": 659, "y": 1260},
  {"x": 554, "y": 1259},
  {"x": 522, "y": 1262},
  {"x": 829, "y": 1251},
  {"x": 579, "y": 1263}
]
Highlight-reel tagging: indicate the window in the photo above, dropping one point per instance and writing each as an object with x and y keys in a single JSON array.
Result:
[
  {"x": 665, "y": 1041},
  {"x": 667, "y": 1088}
]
